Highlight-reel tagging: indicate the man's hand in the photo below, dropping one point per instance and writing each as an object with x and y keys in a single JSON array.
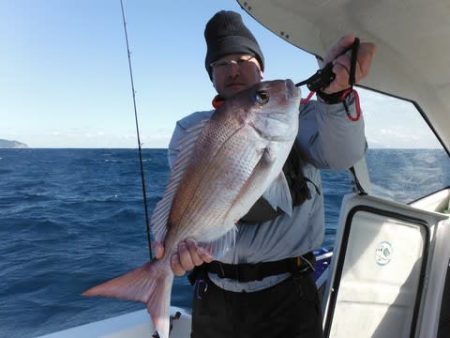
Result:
[
  {"x": 341, "y": 64},
  {"x": 188, "y": 256}
]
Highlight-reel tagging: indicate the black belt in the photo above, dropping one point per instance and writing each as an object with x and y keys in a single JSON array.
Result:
[{"x": 252, "y": 272}]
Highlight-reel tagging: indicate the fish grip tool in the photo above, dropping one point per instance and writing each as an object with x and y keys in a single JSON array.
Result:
[
  {"x": 324, "y": 76},
  {"x": 320, "y": 80}
]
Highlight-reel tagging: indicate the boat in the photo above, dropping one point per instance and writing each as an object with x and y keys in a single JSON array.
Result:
[
  {"x": 138, "y": 324},
  {"x": 389, "y": 273}
]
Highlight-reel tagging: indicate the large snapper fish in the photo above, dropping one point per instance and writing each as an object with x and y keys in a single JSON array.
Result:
[{"x": 224, "y": 165}]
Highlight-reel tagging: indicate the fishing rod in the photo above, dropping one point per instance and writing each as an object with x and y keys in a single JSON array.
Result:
[{"x": 141, "y": 162}]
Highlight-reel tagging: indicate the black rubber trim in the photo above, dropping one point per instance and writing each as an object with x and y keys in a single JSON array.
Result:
[
  {"x": 444, "y": 318},
  {"x": 343, "y": 250}
]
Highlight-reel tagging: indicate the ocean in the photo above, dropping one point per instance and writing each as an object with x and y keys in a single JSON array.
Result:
[{"x": 72, "y": 218}]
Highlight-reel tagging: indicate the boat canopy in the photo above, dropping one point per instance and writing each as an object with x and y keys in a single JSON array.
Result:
[{"x": 412, "y": 37}]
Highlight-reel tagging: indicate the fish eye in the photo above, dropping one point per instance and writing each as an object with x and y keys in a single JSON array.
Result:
[{"x": 262, "y": 97}]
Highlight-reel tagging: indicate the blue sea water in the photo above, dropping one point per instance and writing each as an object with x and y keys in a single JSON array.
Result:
[{"x": 72, "y": 218}]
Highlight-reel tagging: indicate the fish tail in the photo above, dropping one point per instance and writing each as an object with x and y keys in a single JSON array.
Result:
[{"x": 150, "y": 284}]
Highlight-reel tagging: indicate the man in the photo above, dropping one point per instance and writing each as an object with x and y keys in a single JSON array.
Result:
[{"x": 275, "y": 298}]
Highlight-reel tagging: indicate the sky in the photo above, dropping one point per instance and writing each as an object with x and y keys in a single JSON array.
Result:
[{"x": 64, "y": 78}]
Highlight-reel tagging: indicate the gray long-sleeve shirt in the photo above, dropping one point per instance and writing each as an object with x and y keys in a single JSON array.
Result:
[{"x": 330, "y": 140}]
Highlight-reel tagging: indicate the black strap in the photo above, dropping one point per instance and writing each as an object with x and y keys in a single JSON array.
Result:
[
  {"x": 354, "y": 58},
  {"x": 247, "y": 272},
  {"x": 293, "y": 171},
  {"x": 332, "y": 98},
  {"x": 262, "y": 211}
]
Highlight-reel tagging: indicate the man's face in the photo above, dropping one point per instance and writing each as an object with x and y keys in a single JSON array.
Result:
[{"x": 235, "y": 72}]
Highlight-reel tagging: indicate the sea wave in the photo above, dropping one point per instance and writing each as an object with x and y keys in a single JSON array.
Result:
[{"x": 72, "y": 218}]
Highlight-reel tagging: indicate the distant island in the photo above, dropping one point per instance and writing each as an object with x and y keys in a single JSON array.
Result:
[{"x": 11, "y": 144}]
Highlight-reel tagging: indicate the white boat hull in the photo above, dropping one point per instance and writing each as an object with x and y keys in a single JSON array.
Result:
[{"x": 135, "y": 324}]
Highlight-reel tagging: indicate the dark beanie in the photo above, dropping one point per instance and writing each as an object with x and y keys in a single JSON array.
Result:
[{"x": 225, "y": 34}]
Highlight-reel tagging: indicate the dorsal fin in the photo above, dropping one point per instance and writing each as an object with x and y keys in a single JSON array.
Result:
[{"x": 185, "y": 149}]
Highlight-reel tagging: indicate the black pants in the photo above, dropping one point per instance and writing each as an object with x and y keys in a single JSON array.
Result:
[{"x": 289, "y": 309}]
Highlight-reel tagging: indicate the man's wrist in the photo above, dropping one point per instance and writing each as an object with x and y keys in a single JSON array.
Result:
[{"x": 334, "y": 98}]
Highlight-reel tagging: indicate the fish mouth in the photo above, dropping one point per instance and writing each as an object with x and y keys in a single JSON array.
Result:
[{"x": 291, "y": 89}]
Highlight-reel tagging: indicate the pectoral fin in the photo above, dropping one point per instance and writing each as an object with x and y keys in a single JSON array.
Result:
[
  {"x": 278, "y": 195},
  {"x": 219, "y": 247}
]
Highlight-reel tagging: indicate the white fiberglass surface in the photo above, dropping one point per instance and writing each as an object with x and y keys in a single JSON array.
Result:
[{"x": 380, "y": 276}]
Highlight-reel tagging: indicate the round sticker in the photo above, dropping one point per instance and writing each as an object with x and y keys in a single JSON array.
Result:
[{"x": 383, "y": 254}]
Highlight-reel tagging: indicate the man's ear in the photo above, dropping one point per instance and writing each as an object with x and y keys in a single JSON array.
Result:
[
  {"x": 261, "y": 75},
  {"x": 213, "y": 82}
]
